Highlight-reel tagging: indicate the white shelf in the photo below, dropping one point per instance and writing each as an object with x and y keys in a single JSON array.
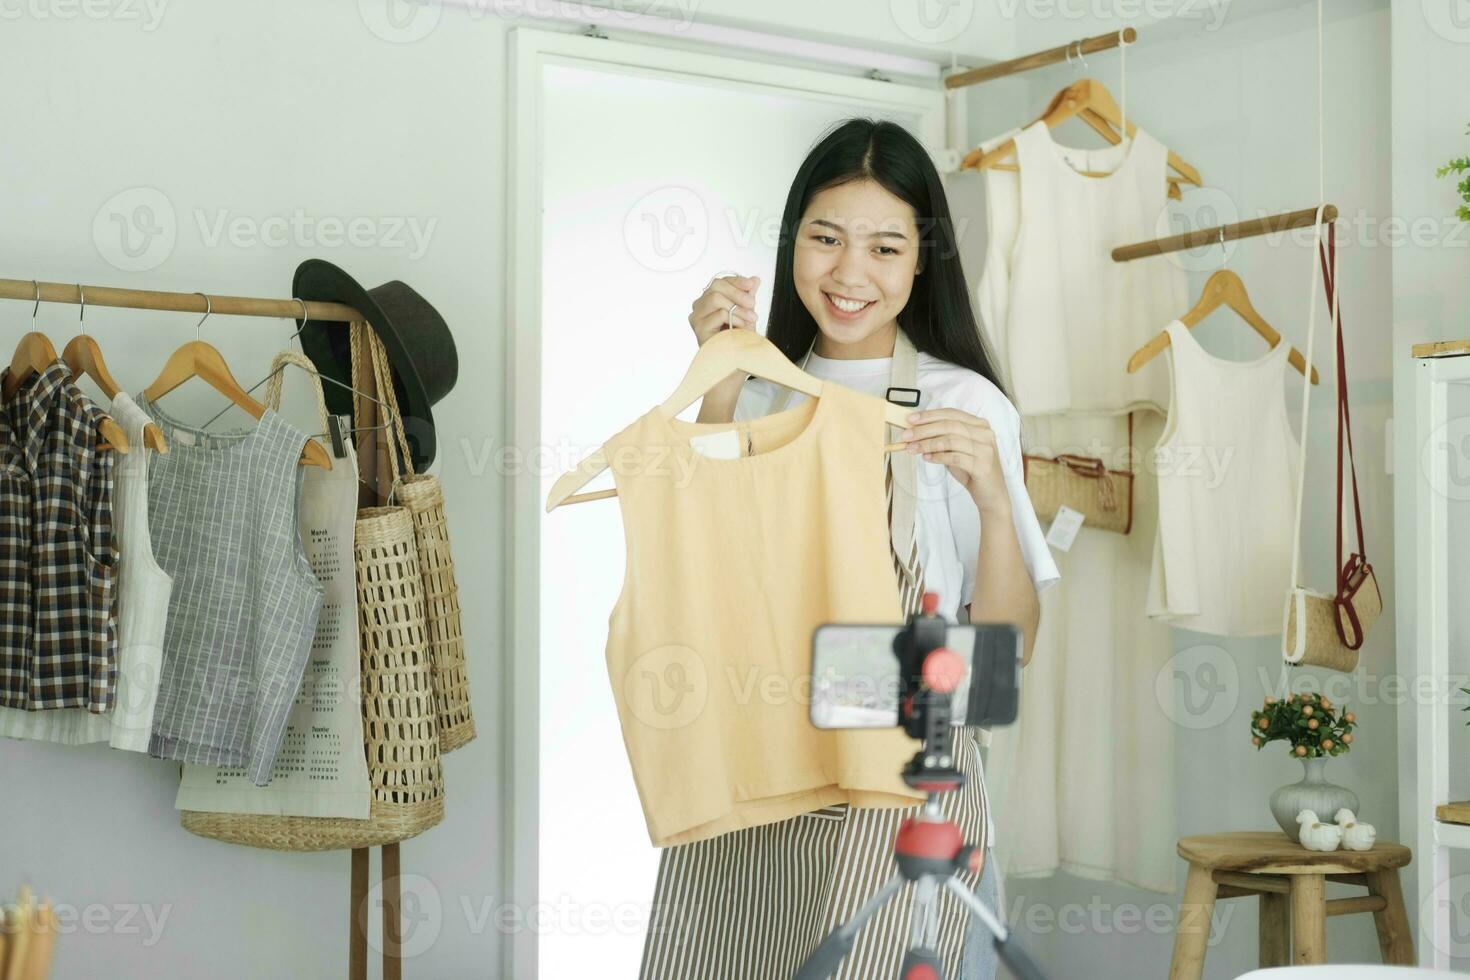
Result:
[{"x": 1451, "y": 834}]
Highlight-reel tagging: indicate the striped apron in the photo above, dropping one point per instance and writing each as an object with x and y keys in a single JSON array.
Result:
[{"x": 752, "y": 904}]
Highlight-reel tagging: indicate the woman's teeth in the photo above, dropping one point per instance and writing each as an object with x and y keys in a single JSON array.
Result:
[{"x": 848, "y": 305}]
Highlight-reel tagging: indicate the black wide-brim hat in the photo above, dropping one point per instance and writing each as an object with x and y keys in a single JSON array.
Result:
[{"x": 419, "y": 344}]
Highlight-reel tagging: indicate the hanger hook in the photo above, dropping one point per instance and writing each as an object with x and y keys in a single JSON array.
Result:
[
  {"x": 1081, "y": 55},
  {"x": 208, "y": 309},
  {"x": 305, "y": 319},
  {"x": 82, "y": 311},
  {"x": 37, "y": 308},
  {"x": 1069, "y": 56}
]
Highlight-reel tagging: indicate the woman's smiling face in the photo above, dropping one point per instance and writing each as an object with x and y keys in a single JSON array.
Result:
[{"x": 856, "y": 255}]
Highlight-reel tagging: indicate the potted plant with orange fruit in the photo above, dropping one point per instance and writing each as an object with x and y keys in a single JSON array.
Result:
[{"x": 1315, "y": 730}]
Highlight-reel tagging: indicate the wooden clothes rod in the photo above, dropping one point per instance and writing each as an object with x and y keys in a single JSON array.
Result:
[
  {"x": 1040, "y": 59},
  {"x": 152, "y": 299},
  {"x": 1304, "y": 218}
]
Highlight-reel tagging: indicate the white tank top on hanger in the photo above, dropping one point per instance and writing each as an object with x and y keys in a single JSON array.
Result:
[
  {"x": 1226, "y": 467},
  {"x": 1073, "y": 315}
]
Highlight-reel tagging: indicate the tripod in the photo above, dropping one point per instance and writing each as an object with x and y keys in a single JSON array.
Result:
[{"x": 929, "y": 850}]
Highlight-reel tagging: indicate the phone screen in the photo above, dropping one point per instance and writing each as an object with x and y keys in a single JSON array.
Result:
[{"x": 856, "y": 682}]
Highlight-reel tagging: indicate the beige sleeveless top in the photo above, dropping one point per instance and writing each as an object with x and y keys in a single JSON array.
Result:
[{"x": 733, "y": 559}]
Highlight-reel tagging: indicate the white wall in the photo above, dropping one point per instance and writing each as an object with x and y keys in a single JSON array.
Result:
[
  {"x": 1237, "y": 98},
  {"x": 255, "y": 112}
]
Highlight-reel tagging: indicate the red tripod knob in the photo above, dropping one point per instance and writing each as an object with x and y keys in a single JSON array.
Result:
[{"x": 943, "y": 670}]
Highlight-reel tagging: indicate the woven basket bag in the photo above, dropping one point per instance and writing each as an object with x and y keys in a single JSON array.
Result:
[
  {"x": 1102, "y": 496},
  {"x": 424, "y": 498},
  {"x": 400, "y": 723}
]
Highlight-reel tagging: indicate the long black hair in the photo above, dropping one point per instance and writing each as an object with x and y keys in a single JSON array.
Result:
[{"x": 938, "y": 317}]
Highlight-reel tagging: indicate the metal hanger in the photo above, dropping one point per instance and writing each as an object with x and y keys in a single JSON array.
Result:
[
  {"x": 35, "y": 354},
  {"x": 197, "y": 359},
  {"x": 84, "y": 358},
  {"x": 305, "y": 319}
]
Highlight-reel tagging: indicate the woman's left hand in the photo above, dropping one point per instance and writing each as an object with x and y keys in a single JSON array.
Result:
[{"x": 966, "y": 446}]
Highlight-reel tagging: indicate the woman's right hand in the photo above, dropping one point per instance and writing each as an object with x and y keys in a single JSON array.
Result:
[{"x": 712, "y": 311}]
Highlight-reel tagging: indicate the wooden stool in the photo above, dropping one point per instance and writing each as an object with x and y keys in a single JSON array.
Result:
[{"x": 1290, "y": 881}]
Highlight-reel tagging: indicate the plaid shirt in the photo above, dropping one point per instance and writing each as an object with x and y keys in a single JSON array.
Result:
[{"x": 58, "y": 562}]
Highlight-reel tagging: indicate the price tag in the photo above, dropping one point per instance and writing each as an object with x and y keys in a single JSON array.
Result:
[
  {"x": 337, "y": 428},
  {"x": 1064, "y": 528},
  {"x": 717, "y": 445}
]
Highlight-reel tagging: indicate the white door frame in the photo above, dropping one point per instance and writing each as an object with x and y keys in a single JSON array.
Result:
[
  {"x": 1426, "y": 785},
  {"x": 530, "y": 52}
]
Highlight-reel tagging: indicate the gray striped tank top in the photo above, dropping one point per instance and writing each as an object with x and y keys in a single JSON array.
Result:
[{"x": 222, "y": 510}]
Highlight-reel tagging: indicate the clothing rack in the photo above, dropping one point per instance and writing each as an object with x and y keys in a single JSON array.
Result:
[
  {"x": 152, "y": 299},
  {"x": 1221, "y": 234},
  {"x": 314, "y": 311},
  {"x": 1039, "y": 59}
]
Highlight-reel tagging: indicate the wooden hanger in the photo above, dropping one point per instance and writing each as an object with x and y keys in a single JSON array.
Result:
[
  {"x": 84, "y": 358},
  {"x": 1224, "y": 288},
  {"x": 1090, "y": 100},
  {"x": 196, "y": 359},
  {"x": 35, "y": 354},
  {"x": 721, "y": 356}
]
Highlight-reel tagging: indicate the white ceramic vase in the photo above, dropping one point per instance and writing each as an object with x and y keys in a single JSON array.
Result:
[{"x": 1313, "y": 793}]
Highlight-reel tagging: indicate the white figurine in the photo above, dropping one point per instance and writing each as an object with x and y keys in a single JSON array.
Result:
[
  {"x": 1316, "y": 835},
  {"x": 1355, "y": 836}
]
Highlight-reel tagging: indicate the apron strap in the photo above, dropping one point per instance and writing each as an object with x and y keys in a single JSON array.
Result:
[{"x": 903, "y": 389}]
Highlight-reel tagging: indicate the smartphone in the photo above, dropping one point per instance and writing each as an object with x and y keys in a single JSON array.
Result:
[{"x": 856, "y": 682}]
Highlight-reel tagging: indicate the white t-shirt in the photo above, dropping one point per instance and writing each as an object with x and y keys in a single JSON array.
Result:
[{"x": 946, "y": 520}]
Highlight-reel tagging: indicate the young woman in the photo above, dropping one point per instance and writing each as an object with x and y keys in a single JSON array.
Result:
[{"x": 867, "y": 261}]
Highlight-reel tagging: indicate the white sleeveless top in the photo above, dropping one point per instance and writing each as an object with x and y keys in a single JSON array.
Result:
[
  {"x": 143, "y": 594},
  {"x": 1066, "y": 349},
  {"x": 1227, "y": 468}
]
